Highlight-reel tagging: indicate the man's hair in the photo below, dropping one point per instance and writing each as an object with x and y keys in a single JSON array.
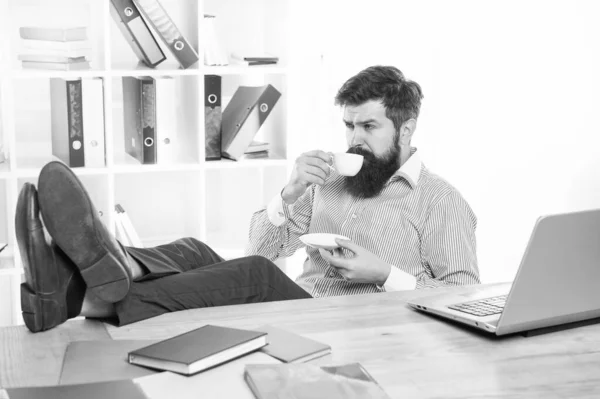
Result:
[{"x": 400, "y": 97}]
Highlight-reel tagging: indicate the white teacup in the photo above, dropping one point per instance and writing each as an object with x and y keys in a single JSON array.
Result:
[{"x": 346, "y": 164}]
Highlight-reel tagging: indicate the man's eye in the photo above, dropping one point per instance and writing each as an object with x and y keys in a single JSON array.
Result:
[
  {"x": 349, "y": 126},
  {"x": 369, "y": 127}
]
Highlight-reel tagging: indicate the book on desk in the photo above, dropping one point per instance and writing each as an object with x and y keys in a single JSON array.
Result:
[
  {"x": 291, "y": 348},
  {"x": 199, "y": 349}
]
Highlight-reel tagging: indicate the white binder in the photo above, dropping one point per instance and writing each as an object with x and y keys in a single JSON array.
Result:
[
  {"x": 166, "y": 120},
  {"x": 92, "y": 93}
]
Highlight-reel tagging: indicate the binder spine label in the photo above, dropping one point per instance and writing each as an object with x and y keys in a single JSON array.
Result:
[
  {"x": 75, "y": 119},
  {"x": 148, "y": 122}
]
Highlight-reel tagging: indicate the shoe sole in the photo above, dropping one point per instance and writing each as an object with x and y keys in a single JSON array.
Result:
[
  {"x": 39, "y": 312},
  {"x": 105, "y": 276}
]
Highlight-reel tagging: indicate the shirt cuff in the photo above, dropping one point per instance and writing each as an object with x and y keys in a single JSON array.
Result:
[
  {"x": 399, "y": 280},
  {"x": 277, "y": 211}
]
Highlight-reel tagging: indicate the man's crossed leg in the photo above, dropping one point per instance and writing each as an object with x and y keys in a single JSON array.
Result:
[{"x": 81, "y": 269}]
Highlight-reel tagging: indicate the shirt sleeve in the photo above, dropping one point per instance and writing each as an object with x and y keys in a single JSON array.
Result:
[
  {"x": 449, "y": 245},
  {"x": 276, "y": 210},
  {"x": 399, "y": 280},
  {"x": 275, "y": 230}
]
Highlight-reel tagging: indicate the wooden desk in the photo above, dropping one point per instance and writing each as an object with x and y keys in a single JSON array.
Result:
[{"x": 412, "y": 355}]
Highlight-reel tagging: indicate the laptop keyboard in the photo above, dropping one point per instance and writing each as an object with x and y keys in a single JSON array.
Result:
[{"x": 482, "y": 307}]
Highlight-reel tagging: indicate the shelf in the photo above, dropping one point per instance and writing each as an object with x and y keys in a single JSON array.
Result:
[
  {"x": 186, "y": 167},
  {"x": 245, "y": 70},
  {"x": 35, "y": 172},
  {"x": 245, "y": 163},
  {"x": 31, "y": 167},
  {"x": 163, "y": 69},
  {"x": 47, "y": 74},
  {"x": 124, "y": 163}
]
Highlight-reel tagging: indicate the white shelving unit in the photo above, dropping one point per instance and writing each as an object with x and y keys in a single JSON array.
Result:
[{"x": 210, "y": 200}]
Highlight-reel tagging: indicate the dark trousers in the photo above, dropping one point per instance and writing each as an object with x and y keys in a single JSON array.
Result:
[{"x": 188, "y": 274}]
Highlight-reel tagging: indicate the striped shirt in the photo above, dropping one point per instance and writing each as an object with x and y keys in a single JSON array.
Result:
[{"x": 419, "y": 224}]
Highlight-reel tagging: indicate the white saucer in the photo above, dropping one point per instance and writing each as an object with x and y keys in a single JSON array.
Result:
[{"x": 322, "y": 240}]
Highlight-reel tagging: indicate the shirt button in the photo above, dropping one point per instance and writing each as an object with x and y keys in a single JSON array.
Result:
[
  {"x": 354, "y": 216},
  {"x": 316, "y": 295}
]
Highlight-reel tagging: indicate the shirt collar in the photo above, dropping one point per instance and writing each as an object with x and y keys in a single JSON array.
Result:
[{"x": 411, "y": 170}]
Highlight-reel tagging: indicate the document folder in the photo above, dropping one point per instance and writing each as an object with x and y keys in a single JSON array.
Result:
[
  {"x": 131, "y": 24},
  {"x": 168, "y": 32}
]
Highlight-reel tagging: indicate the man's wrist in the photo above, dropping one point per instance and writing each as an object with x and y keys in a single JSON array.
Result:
[
  {"x": 386, "y": 270},
  {"x": 287, "y": 198}
]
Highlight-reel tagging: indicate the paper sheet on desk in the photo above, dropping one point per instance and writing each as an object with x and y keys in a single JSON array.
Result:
[
  {"x": 106, "y": 360},
  {"x": 222, "y": 382}
]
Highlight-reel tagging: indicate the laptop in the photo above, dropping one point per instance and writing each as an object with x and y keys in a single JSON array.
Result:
[{"x": 558, "y": 282}]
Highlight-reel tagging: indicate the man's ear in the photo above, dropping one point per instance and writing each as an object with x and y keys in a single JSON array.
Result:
[{"x": 407, "y": 130}]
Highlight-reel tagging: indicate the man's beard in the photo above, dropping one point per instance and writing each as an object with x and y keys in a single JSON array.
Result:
[{"x": 374, "y": 174}]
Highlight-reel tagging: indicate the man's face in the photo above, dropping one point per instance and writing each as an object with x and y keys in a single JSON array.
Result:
[
  {"x": 368, "y": 127},
  {"x": 371, "y": 134}
]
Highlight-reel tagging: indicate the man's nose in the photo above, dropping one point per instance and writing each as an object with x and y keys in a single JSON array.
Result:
[{"x": 357, "y": 138}]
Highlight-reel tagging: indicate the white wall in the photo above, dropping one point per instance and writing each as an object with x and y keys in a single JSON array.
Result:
[{"x": 511, "y": 109}]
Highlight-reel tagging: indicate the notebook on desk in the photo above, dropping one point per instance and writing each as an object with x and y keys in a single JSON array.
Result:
[
  {"x": 290, "y": 347},
  {"x": 556, "y": 284}
]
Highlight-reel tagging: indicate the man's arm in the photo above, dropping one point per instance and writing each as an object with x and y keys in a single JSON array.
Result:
[
  {"x": 447, "y": 247},
  {"x": 274, "y": 231},
  {"x": 448, "y": 244}
]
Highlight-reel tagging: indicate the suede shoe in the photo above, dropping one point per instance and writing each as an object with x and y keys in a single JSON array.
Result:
[
  {"x": 73, "y": 222},
  {"x": 53, "y": 290}
]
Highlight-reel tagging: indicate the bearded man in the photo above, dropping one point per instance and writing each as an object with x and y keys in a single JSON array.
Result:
[{"x": 407, "y": 229}]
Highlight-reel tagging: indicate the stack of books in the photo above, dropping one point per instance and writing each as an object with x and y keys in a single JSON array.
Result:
[
  {"x": 254, "y": 59},
  {"x": 257, "y": 149},
  {"x": 56, "y": 48}
]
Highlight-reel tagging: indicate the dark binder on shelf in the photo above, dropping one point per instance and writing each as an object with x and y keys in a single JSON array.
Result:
[
  {"x": 67, "y": 121},
  {"x": 244, "y": 115},
  {"x": 168, "y": 32},
  {"x": 139, "y": 117},
  {"x": 137, "y": 33},
  {"x": 212, "y": 117}
]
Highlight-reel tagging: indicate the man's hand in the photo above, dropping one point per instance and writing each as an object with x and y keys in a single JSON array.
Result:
[
  {"x": 310, "y": 168},
  {"x": 363, "y": 267}
]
